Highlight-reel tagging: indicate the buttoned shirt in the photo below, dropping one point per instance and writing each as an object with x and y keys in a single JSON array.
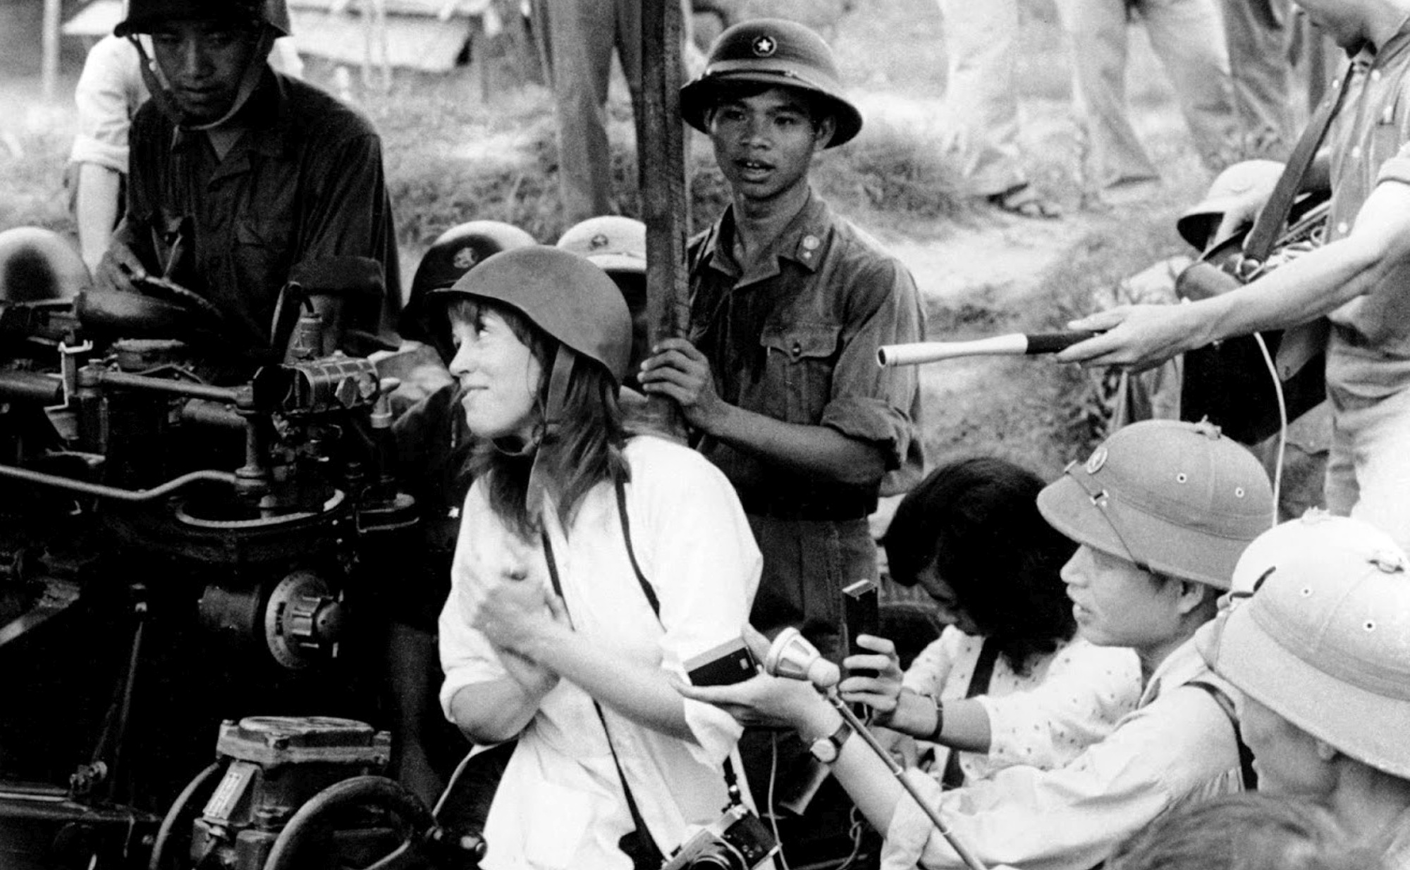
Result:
[
  {"x": 303, "y": 181},
  {"x": 559, "y": 804},
  {"x": 1369, "y": 352},
  {"x": 1045, "y": 716},
  {"x": 1177, "y": 746},
  {"x": 796, "y": 340}
]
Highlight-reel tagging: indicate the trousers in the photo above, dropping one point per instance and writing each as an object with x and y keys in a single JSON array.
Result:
[
  {"x": 980, "y": 95},
  {"x": 1188, "y": 37},
  {"x": 1368, "y": 469}
]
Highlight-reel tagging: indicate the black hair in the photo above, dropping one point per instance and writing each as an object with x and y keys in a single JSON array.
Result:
[{"x": 976, "y": 520}]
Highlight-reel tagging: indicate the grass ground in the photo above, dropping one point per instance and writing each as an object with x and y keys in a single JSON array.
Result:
[{"x": 458, "y": 150}]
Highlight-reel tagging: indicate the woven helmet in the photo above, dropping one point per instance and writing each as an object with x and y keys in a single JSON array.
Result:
[
  {"x": 451, "y": 255},
  {"x": 39, "y": 265},
  {"x": 143, "y": 15},
  {"x": 561, "y": 293},
  {"x": 1324, "y": 639},
  {"x": 771, "y": 51},
  {"x": 1175, "y": 498}
]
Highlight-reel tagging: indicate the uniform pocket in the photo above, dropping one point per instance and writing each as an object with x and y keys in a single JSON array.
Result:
[{"x": 801, "y": 357}]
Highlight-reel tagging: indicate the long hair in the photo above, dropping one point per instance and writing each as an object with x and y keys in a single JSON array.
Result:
[
  {"x": 583, "y": 451},
  {"x": 976, "y": 521}
]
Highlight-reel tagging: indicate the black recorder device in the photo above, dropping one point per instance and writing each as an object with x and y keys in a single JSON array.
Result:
[
  {"x": 730, "y": 662},
  {"x": 861, "y": 612}
]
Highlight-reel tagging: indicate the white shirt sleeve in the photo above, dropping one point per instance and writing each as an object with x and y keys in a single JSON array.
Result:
[
  {"x": 1086, "y": 691},
  {"x": 695, "y": 547},
  {"x": 108, "y": 93},
  {"x": 1071, "y": 818},
  {"x": 467, "y": 657},
  {"x": 931, "y": 668}
]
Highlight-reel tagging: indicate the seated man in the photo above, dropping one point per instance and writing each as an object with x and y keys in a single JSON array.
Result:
[
  {"x": 1161, "y": 512},
  {"x": 237, "y": 173},
  {"x": 1321, "y": 655}
]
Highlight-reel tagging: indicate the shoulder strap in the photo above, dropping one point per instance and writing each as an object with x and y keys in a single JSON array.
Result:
[
  {"x": 1250, "y": 776},
  {"x": 1266, "y": 228},
  {"x": 631, "y": 553},
  {"x": 648, "y": 841},
  {"x": 953, "y": 776}
]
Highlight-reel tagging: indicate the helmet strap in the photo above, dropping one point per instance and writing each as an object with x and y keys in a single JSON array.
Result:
[
  {"x": 559, "y": 376},
  {"x": 160, "y": 90},
  {"x": 1101, "y": 499}
]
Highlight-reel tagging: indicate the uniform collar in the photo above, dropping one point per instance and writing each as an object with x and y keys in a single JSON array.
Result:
[{"x": 803, "y": 240}]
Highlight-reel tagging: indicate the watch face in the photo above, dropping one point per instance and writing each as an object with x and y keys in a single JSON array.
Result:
[{"x": 824, "y": 750}]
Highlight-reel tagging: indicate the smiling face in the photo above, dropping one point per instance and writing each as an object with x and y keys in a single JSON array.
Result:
[
  {"x": 204, "y": 63},
  {"x": 1115, "y": 603},
  {"x": 765, "y": 142},
  {"x": 498, "y": 373}
]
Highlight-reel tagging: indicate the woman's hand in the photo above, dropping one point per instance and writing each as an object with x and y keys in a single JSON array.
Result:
[
  {"x": 764, "y": 700},
  {"x": 535, "y": 679},
  {"x": 514, "y": 613},
  {"x": 880, "y": 692}
]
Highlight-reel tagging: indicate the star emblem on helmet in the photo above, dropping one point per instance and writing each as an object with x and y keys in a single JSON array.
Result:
[
  {"x": 464, "y": 258},
  {"x": 598, "y": 242},
  {"x": 1097, "y": 460},
  {"x": 764, "y": 46}
]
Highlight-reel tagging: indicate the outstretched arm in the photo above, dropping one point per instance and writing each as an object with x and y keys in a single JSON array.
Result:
[{"x": 1312, "y": 285}]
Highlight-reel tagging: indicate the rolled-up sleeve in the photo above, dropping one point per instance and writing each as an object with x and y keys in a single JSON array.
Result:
[
  {"x": 108, "y": 92},
  {"x": 699, "y": 553},
  {"x": 467, "y": 657},
  {"x": 869, "y": 402}
]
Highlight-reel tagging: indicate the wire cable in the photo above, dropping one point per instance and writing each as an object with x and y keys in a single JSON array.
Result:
[
  {"x": 1282, "y": 423},
  {"x": 773, "y": 812}
]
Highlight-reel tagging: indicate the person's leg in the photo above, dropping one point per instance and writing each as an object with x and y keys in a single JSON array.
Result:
[
  {"x": 1096, "y": 35},
  {"x": 1188, "y": 36},
  {"x": 980, "y": 46},
  {"x": 1257, "y": 33},
  {"x": 1380, "y": 442},
  {"x": 581, "y": 36}
]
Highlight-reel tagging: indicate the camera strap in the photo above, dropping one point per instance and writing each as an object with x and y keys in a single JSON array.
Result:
[
  {"x": 731, "y": 780},
  {"x": 953, "y": 775}
]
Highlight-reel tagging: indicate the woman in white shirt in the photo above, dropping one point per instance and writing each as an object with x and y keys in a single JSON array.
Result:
[
  {"x": 590, "y": 567},
  {"x": 1008, "y": 681}
]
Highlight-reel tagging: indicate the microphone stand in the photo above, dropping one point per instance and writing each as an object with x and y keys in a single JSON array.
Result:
[{"x": 861, "y": 730}]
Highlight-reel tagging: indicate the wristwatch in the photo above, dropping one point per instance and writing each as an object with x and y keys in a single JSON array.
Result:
[{"x": 826, "y": 749}]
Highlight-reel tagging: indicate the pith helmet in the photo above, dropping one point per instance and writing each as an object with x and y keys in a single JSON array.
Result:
[
  {"x": 774, "y": 52},
  {"x": 38, "y": 265},
  {"x": 613, "y": 243},
  {"x": 1175, "y": 498},
  {"x": 1201, "y": 219},
  {"x": 564, "y": 295},
  {"x": 450, "y": 256},
  {"x": 143, "y": 15},
  {"x": 1324, "y": 641}
]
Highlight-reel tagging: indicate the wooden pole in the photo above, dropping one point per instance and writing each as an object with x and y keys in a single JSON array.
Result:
[
  {"x": 664, "y": 205},
  {"x": 49, "y": 73}
]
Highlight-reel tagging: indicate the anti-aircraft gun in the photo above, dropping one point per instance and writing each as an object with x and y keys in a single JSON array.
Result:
[{"x": 182, "y": 523}]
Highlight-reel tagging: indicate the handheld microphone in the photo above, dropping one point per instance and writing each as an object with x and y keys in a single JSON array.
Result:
[{"x": 793, "y": 657}]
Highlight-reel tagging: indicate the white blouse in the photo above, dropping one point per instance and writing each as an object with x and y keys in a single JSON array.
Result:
[
  {"x": 560, "y": 802},
  {"x": 1069, "y": 699}
]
